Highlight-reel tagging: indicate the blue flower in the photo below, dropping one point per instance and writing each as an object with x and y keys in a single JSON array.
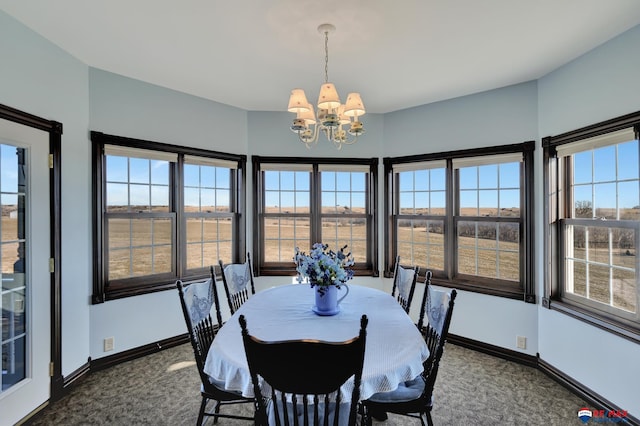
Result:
[{"x": 324, "y": 267}]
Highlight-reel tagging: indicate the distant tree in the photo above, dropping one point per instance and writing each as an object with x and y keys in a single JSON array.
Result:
[{"x": 584, "y": 208}]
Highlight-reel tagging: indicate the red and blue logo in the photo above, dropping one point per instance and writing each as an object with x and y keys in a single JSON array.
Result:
[
  {"x": 602, "y": 416},
  {"x": 584, "y": 414}
]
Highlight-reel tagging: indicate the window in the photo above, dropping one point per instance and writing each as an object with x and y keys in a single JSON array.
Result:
[
  {"x": 593, "y": 215},
  {"x": 162, "y": 212},
  {"x": 13, "y": 289},
  {"x": 299, "y": 202},
  {"x": 465, "y": 216}
]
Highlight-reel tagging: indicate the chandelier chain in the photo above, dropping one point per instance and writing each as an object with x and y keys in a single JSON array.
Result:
[{"x": 326, "y": 56}]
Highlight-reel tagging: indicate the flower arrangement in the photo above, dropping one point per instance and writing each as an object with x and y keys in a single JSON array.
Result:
[{"x": 324, "y": 267}]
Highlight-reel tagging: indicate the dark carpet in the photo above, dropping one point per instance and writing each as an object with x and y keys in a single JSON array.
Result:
[{"x": 163, "y": 389}]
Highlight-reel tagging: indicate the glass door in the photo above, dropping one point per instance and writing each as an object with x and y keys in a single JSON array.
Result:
[
  {"x": 25, "y": 277},
  {"x": 12, "y": 258}
]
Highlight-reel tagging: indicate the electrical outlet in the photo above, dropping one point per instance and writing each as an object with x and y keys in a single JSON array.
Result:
[
  {"x": 521, "y": 342},
  {"x": 108, "y": 344}
]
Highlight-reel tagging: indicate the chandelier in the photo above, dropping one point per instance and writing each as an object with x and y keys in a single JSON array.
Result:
[{"x": 332, "y": 115}]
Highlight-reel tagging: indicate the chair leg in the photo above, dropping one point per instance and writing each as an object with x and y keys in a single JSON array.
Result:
[
  {"x": 216, "y": 410},
  {"x": 203, "y": 405},
  {"x": 366, "y": 417},
  {"x": 429, "y": 419}
]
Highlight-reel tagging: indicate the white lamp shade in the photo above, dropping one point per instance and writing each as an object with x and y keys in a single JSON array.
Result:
[
  {"x": 308, "y": 116},
  {"x": 354, "y": 106},
  {"x": 298, "y": 101},
  {"x": 328, "y": 98}
]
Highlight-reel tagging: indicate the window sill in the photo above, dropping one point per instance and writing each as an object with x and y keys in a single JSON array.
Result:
[
  {"x": 497, "y": 290},
  {"x": 606, "y": 323},
  {"x": 288, "y": 271}
]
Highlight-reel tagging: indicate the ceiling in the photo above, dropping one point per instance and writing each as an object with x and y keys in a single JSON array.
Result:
[{"x": 397, "y": 54}]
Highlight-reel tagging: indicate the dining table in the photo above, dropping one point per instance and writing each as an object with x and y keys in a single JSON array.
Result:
[{"x": 394, "y": 352}]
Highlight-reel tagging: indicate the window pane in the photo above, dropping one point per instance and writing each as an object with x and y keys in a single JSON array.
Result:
[
  {"x": 509, "y": 203},
  {"x": 287, "y": 181},
  {"x": 604, "y": 164},
  {"x": 421, "y": 242},
  {"x": 207, "y": 176},
  {"x": 191, "y": 175},
  {"x": 208, "y": 239},
  {"x": 350, "y": 231},
  {"x": 582, "y": 167},
  {"x": 117, "y": 197},
  {"x": 488, "y": 202},
  {"x": 489, "y": 249},
  {"x": 192, "y": 199},
  {"x": 223, "y": 200},
  {"x": 469, "y": 203},
  {"x": 421, "y": 180},
  {"x": 159, "y": 172},
  {"x": 438, "y": 179},
  {"x": 117, "y": 169},
  {"x": 138, "y": 247},
  {"x": 468, "y": 177},
  {"x": 438, "y": 203},
  {"x": 160, "y": 198},
  {"x": 406, "y": 203},
  {"x": 406, "y": 181},
  {"x": 223, "y": 177},
  {"x": 628, "y": 161},
  {"x": 207, "y": 200},
  {"x": 139, "y": 197},
  {"x": 605, "y": 200},
  {"x": 601, "y": 265},
  {"x": 138, "y": 170},
  {"x": 488, "y": 176},
  {"x": 358, "y": 182},
  {"x": 338, "y": 192},
  {"x": 625, "y": 288},
  {"x": 283, "y": 235},
  {"x": 509, "y": 175},
  {"x": 628, "y": 202}
]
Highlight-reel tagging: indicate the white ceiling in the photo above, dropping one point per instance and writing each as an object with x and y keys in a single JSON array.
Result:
[{"x": 398, "y": 54}]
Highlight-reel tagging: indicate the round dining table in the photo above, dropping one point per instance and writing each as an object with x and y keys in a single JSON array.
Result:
[{"x": 394, "y": 352}]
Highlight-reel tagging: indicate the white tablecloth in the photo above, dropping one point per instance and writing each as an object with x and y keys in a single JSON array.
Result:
[{"x": 394, "y": 353}]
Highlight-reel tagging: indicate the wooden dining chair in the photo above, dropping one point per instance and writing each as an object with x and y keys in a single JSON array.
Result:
[
  {"x": 238, "y": 282},
  {"x": 299, "y": 381},
  {"x": 404, "y": 281},
  {"x": 197, "y": 299},
  {"x": 414, "y": 398}
]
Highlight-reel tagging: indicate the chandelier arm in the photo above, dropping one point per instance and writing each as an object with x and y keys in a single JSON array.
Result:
[{"x": 310, "y": 141}]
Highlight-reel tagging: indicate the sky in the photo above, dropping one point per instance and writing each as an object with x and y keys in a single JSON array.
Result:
[{"x": 487, "y": 186}]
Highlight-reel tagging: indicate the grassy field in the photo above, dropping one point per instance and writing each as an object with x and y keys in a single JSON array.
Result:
[
  {"x": 9, "y": 251},
  {"x": 149, "y": 244}
]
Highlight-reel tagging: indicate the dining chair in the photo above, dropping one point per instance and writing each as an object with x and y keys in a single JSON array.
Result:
[
  {"x": 238, "y": 282},
  {"x": 414, "y": 398},
  {"x": 197, "y": 298},
  {"x": 299, "y": 381},
  {"x": 404, "y": 281}
]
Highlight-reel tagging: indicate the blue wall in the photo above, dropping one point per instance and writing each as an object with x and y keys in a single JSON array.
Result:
[{"x": 37, "y": 77}]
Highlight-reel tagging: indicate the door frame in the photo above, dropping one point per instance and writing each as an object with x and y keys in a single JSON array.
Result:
[{"x": 54, "y": 129}]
